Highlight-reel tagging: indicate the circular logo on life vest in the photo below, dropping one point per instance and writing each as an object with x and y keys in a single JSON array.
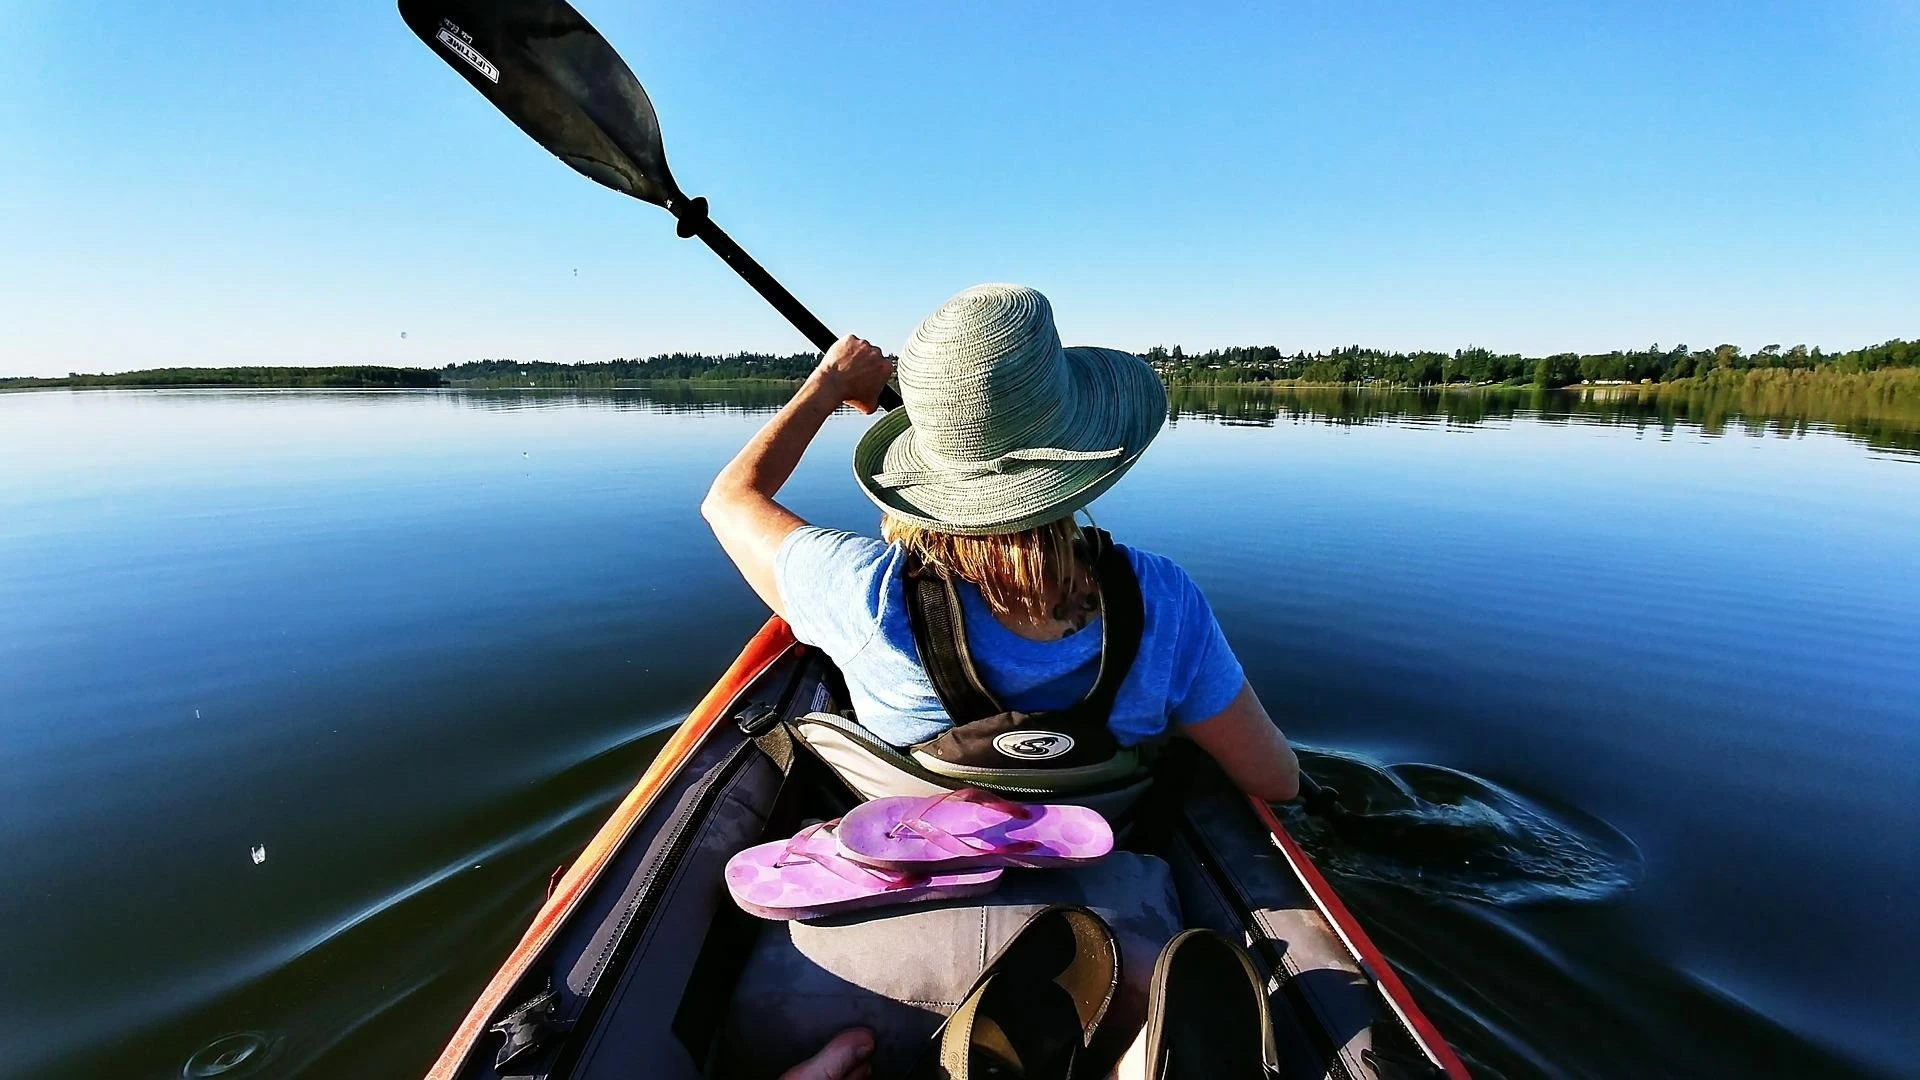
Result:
[{"x": 1033, "y": 745}]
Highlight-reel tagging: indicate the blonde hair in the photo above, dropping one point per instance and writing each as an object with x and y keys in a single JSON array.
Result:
[{"x": 1028, "y": 572}]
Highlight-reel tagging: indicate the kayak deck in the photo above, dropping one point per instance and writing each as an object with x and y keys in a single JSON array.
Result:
[{"x": 639, "y": 964}]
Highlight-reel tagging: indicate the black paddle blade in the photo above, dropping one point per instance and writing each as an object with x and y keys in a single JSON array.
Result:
[{"x": 550, "y": 71}]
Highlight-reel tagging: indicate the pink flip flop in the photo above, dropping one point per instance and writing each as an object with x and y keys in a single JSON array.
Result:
[
  {"x": 806, "y": 877},
  {"x": 969, "y": 828}
]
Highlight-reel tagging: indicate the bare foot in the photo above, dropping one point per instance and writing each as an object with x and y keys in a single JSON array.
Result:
[{"x": 843, "y": 1058}]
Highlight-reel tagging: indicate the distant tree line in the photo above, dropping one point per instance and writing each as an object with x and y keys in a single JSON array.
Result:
[
  {"x": 679, "y": 366},
  {"x": 1357, "y": 364},
  {"x": 1255, "y": 364},
  {"x": 360, "y": 376}
]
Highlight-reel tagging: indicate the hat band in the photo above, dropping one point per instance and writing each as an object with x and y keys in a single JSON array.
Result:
[{"x": 1011, "y": 461}]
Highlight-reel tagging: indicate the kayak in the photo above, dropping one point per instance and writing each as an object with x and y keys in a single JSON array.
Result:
[{"x": 638, "y": 964}]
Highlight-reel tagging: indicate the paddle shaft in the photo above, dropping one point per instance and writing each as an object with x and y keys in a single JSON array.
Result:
[
  {"x": 695, "y": 222},
  {"x": 1319, "y": 800}
]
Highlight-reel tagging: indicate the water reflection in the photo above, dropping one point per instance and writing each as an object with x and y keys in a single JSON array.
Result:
[
  {"x": 1891, "y": 425},
  {"x": 657, "y": 398},
  {"x": 1883, "y": 424}
]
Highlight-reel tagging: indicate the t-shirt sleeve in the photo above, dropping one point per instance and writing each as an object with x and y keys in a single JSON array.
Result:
[
  {"x": 830, "y": 583},
  {"x": 1206, "y": 674}
]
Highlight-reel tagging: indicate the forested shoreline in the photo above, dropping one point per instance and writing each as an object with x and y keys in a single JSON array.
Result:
[
  {"x": 1893, "y": 361},
  {"x": 624, "y": 371},
  {"x": 1477, "y": 366},
  {"x": 357, "y": 377}
]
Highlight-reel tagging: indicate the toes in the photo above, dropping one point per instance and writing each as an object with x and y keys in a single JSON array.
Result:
[{"x": 843, "y": 1058}]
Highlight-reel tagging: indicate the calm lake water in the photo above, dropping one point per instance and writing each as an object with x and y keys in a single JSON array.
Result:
[{"x": 304, "y": 695}]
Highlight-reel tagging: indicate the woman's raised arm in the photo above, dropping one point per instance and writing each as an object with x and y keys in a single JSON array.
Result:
[{"x": 739, "y": 505}]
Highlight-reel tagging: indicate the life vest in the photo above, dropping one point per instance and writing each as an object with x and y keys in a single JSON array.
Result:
[
  {"x": 986, "y": 735},
  {"x": 1068, "y": 752}
]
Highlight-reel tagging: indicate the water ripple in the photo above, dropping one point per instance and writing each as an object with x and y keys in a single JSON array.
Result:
[{"x": 1445, "y": 833}]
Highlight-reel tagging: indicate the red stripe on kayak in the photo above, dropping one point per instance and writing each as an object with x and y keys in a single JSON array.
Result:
[
  {"x": 1349, "y": 928},
  {"x": 773, "y": 640}
]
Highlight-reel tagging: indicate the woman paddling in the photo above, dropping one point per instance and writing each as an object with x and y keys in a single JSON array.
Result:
[{"x": 1004, "y": 436}]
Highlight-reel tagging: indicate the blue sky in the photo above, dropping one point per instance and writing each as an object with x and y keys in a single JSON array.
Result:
[{"x": 222, "y": 183}]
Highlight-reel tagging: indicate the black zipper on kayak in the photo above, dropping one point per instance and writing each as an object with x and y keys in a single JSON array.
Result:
[
  {"x": 1197, "y": 840},
  {"x": 640, "y": 909},
  {"x": 642, "y": 906},
  {"x": 646, "y": 900}
]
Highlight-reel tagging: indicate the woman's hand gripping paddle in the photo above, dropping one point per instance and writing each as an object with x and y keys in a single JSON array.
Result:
[
  {"x": 1322, "y": 801},
  {"x": 543, "y": 65}
]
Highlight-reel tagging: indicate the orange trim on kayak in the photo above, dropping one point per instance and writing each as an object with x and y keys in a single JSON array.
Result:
[
  {"x": 773, "y": 640},
  {"x": 1349, "y": 929}
]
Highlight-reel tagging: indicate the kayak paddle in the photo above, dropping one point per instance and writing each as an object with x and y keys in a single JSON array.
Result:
[
  {"x": 543, "y": 65},
  {"x": 1318, "y": 800}
]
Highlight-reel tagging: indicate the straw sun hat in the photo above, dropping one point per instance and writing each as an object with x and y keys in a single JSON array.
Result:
[{"x": 1003, "y": 429}]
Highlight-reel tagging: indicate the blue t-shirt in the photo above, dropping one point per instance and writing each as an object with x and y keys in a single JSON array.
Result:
[{"x": 843, "y": 595}]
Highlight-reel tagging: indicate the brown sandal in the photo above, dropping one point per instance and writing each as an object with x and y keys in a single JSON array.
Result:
[
  {"x": 1033, "y": 1012},
  {"x": 1207, "y": 1015}
]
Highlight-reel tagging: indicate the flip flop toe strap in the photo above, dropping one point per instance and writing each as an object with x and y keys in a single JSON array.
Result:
[
  {"x": 916, "y": 824},
  {"x": 866, "y": 877}
]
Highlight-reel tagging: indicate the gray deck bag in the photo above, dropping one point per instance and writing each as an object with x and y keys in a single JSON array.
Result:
[{"x": 900, "y": 971}]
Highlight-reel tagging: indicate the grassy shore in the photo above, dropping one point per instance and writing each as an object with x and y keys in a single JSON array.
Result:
[
  {"x": 1783, "y": 392},
  {"x": 1886, "y": 385}
]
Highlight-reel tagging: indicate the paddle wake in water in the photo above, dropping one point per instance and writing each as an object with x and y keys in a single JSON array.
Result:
[{"x": 1442, "y": 832}]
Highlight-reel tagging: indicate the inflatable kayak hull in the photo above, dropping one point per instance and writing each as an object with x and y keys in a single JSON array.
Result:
[{"x": 637, "y": 964}]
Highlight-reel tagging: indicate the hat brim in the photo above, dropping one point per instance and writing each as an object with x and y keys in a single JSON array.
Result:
[{"x": 1113, "y": 400}]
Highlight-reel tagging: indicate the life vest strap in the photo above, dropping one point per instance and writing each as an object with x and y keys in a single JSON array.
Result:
[
  {"x": 985, "y": 732},
  {"x": 940, "y": 637}
]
